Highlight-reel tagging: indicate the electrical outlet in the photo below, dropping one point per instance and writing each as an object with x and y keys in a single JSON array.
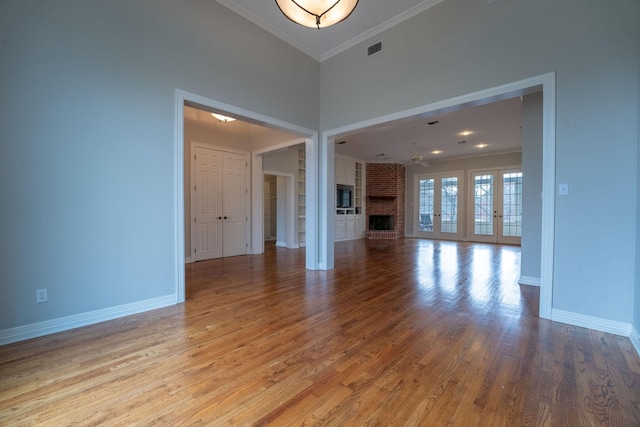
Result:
[
  {"x": 41, "y": 296},
  {"x": 563, "y": 189}
]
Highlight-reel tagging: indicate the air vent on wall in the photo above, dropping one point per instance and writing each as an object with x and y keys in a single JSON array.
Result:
[{"x": 374, "y": 48}]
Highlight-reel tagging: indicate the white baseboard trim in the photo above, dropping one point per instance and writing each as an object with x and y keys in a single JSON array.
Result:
[
  {"x": 635, "y": 340},
  {"x": 527, "y": 280},
  {"x": 281, "y": 244},
  {"x": 66, "y": 323},
  {"x": 597, "y": 323},
  {"x": 187, "y": 260}
]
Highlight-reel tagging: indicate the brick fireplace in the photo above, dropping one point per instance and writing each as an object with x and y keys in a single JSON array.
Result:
[{"x": 385, "y": 198}]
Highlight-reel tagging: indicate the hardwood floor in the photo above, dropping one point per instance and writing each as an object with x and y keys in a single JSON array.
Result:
[{"x": 401, "y": 333}]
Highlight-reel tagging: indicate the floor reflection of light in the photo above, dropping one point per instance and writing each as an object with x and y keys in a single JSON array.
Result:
[
  {"x": 509, "y": 271},
  {"x": 449, "y": 266},
  {"x": 487, "y": 275},
  {"x": 424, "y": 265},
  {"x": 480, "y": 273}
]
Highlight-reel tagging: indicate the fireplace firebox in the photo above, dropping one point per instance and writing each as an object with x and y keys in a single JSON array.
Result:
[{"x": 381, "y": 222}]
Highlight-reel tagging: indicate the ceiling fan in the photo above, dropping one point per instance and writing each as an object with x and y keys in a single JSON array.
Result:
[{"x": 416, "y": 159}]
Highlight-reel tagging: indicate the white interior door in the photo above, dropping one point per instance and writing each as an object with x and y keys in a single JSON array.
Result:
[
  {"x": 219, "y": 203},
  {"x": 234, "y": 204},
  {"x": 497, "y": 206},
  {"x": 207, "y": 204},
  {"x": 438, "y": 209}
]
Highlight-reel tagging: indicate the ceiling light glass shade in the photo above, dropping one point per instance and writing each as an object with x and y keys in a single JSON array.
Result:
[
  {"x": 223, "y": 118},
  {"x": 317, "y": 13}
]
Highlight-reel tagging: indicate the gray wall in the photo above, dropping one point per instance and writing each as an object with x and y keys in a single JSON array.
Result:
[
  {"x": 462, "y": 46},
  {"x": 87, "y": 125},
  {"x": 636, "y": 319},
  {"x": 531, "y": 185},
  {"x": 464, "y": 165}
]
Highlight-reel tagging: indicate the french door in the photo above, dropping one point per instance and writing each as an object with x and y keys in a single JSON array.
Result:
[
  {"x": 497, "y": 206},
  {"x": 437, "y": 213}
]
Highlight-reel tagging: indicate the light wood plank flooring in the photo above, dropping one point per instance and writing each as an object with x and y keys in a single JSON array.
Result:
[{"x": 401, "y": 333}]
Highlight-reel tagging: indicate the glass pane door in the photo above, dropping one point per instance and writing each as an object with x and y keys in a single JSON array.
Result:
[
  {"x": 426, "y": 206},
  {"x": 484, "y": 213},
  {"x": 437, "y": 213},
  {"x": 449, "y": 205},
  {"x": 511, "y": 208},
  {"x": 497, "y": 206}
]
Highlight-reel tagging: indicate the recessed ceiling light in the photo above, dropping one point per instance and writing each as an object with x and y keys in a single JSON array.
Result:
[
  {"x": 466, "y": 133},
  {"x": 482, "y": 145},
  {"x": 222, "y": 118},
  {"x": 436, "y": 152}
]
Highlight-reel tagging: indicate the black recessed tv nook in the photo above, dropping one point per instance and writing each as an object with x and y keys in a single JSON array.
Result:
[{"x": 344, "y": 196}]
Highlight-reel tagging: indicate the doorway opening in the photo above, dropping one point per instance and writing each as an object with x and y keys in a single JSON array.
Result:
[
  {"x": 253, "y": 219},
  {"x": 278, "y": 209},
  {"x": 544, "y": 83}
]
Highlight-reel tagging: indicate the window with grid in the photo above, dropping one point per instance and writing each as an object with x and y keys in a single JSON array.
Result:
[
  {"x": 512, "y": 204},
  {"x": 425, "y": 207},
  {"x": 483, "y": 215},
  {"x": 449, "y": 205}
]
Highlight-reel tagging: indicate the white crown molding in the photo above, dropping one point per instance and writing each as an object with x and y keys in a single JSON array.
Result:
[{"x": 410, "y": 13}]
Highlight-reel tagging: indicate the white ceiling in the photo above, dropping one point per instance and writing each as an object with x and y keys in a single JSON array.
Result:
[
  {"x": 496, "y": 125},
  {"x": 369, "y": 18}
]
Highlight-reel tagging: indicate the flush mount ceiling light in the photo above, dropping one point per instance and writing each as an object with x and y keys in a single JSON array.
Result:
[
  {"x": 317, "y": 13},
  {"x": 222, "y": 118}
]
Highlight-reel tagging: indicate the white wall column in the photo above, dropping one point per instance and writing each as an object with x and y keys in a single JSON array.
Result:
[{"x": 327, "y": 203}]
